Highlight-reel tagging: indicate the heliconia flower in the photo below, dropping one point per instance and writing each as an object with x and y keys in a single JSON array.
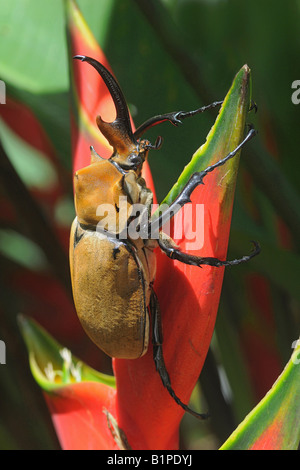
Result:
[
  {"x": 81, "y": 400},
  {"x": 188, "y": 296}
]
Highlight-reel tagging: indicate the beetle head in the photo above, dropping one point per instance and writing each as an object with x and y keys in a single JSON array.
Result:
[{"x": 128, "y": 151}]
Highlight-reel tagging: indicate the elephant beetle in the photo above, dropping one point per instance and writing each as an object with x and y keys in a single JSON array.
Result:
[{"x": 113, "y": 275}]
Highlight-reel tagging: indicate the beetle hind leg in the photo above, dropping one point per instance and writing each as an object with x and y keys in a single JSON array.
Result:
[
  {"x": 157, "y": 340},
  {"x": 172, "y": 252}
]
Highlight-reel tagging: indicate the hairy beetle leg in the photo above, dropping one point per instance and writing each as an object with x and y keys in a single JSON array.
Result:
[{"x": 157, "y": 341}]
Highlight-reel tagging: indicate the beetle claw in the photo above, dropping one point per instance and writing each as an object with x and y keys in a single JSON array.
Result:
[{"x": 254, "y": 106}]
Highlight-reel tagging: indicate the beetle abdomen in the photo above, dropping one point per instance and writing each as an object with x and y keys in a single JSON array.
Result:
[{"x": 109, "y": 293}]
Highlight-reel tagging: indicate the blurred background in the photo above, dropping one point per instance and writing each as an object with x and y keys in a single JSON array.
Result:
[{"x": 168, "y": 55}]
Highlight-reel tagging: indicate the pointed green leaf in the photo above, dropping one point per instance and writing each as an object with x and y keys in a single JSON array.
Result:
[
  {"x": 224, "y": 137},
  {"x": 274, "y": 423},
  {"x": 51, "y": 364}
]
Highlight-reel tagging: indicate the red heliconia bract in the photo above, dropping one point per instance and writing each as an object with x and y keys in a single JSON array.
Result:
[
  {"x": 79, "y": 414},
  {"x": 188, "y": 295},
  {"x": 189, "y": 298}
]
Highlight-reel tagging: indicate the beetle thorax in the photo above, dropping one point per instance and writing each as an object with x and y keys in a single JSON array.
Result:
[{"x": 97, "y": 186}]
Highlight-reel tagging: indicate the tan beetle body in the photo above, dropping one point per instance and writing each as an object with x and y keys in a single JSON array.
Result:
[{"x": 111, "y": 278}]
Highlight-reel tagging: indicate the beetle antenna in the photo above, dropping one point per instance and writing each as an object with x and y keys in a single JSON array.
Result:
[
  {"x": 119, "y": 132},
  {"x": 157, "y": 145}
]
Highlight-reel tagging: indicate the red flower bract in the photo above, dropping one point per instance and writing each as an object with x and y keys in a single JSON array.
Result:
[
  {"x": 79, "y": 415},
  {"x": 188, "y": 296}
]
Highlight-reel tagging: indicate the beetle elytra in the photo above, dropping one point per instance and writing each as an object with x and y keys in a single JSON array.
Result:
[{"x": 112, "y": 276}]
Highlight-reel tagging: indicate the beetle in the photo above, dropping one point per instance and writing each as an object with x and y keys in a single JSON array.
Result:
[{"x": 112, "y": 275}]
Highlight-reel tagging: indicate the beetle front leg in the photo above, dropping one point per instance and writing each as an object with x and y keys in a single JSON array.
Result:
[
  {"x": 175, "y": 118},
  {"x": 157, "y": 340},
  {"x": 195, "y": 180}
]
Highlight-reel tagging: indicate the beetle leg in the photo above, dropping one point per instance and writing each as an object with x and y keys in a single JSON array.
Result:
[
  {"x": 174, "y": 117},
  {"x": 254, "y": 106},
  {"x": 157, "y": 340},
  {"x": 195, "y": 180},
  {"x": 173, "y": 253}
]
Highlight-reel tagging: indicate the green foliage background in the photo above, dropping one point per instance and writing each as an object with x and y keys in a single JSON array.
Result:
[{"x": 168, "y": 55}]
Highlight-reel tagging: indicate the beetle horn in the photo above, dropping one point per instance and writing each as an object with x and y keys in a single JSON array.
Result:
[{"x": 119, "y": 132}]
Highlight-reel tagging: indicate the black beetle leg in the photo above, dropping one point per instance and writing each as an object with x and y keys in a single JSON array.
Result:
[
  {"x": 195, "y": 180},
  {"x": 183, "y": 114},
  {"x": 186, "y": 258},
  {"x": 157, "y": 340}
]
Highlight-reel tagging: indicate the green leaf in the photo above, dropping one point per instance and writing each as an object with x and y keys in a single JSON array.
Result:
[
  {"x": 274, "y": 423},
  {"x": 22, "y": 250},
  {"x": 33, "y": 167},
  {"x": 51, "y": 364},
  {"x": 32, "y": 47},
  {"x": 224, "y": 137}
]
